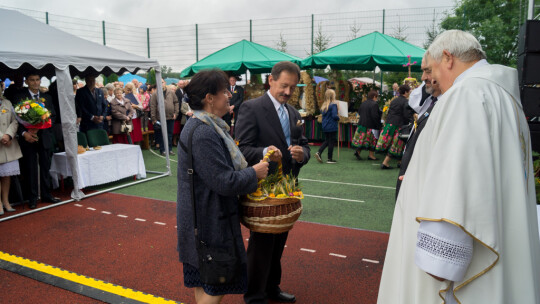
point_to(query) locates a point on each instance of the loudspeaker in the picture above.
(529, 37)
(529, 68)
(530, 99)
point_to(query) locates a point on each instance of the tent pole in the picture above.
(162, 117)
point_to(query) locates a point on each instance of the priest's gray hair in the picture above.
(462, 45)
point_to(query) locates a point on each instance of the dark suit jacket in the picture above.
(90, 106)
(409, 147)
(236, 99)
(258, 127)
(45, 135)
(370, 115)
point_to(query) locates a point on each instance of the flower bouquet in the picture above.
(32, 114)
(275, 206)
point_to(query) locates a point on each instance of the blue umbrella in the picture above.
(319, 79)
(129, 77)
(171, 80)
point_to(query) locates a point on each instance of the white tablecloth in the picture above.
(96, 167)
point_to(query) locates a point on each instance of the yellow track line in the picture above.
(80, 279)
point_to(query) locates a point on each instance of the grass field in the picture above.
(351, 193)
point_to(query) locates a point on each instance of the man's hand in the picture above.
(276, 157)
(97, 119)
(174, 117)
(30, 137)
(189, 113)
(297, 153)
(109, 117)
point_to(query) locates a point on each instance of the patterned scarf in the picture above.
(221, 127)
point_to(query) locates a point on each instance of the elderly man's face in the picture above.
(232, 81)
(283, 87)
(426, 76)
(441, 72)
(395, 86)
(90, 81)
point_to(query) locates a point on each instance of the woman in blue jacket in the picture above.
(330, 119)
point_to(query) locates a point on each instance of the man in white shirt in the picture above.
(464, 227)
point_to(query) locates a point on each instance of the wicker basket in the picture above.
(270, 214)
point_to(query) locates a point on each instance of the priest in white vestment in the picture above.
(464, 227)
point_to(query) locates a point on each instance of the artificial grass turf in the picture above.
(373, 186)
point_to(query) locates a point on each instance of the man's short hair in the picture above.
(285, 66)
(404, 88)
(109, 86)
(462, 45)
(372, 94)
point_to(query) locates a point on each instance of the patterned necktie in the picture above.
(284, 120)
(36, 97)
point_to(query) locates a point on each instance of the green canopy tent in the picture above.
(366, 53)
(239, 57)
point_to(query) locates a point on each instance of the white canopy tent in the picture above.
(30, 45)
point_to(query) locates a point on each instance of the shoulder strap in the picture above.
(190, 174)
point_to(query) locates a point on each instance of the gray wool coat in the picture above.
(217, 186)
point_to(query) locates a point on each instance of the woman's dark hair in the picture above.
(205, 82)
(403, 89)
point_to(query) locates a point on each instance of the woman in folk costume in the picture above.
(370, 120)
(10, 152)
(330, 124)
(399, 115)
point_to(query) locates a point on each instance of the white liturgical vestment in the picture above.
(472, 168)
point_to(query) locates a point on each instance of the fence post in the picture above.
(312, 33)
(47, 17)
(196, 42)
(250, 30)
(148, 40)
(103, 26)
(383, 17)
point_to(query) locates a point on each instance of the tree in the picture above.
(495, 23)
(399, 31)
(281, 45)
(432, 31)
(165, 70)
(321, 41)
(354, 30)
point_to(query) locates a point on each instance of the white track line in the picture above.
(308, 250)
(121, 215)
(338, 255)
(370, 261)
(340, 183)
(78, 205)
(140, 220)
(105, 212)
(90, 208)
(159, 223)
(335, 198)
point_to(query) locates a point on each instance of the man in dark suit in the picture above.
(36, 144)
(269, 123)
(433, 91)
(236, 100)
(92, 104)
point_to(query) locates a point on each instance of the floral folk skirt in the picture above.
(364, 139)
(192, 278)
(390, 142)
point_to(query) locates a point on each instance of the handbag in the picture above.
(126, 128)
(217, 265)
(405, 131)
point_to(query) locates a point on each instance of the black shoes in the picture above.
(357, 155)
(32, 204)
(50, 199)
(384, 167)
(283, 297)
(331, 161)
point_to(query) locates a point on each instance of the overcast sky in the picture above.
(160, 13)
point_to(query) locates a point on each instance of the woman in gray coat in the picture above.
(121, 112)
(220, 175)
(10, 152)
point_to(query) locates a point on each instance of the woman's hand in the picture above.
(261, 169)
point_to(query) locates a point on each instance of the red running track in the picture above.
(105, 237)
